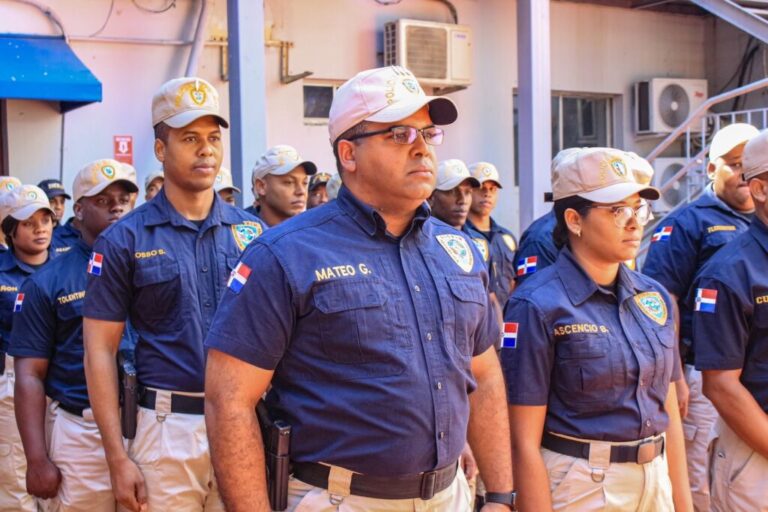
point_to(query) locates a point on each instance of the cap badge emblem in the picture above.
(486, 171)
(459, 251)
(411, 85)
(619, 167)
(108, 171)
(31, 195)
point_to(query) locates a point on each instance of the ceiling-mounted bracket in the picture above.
(285, 75)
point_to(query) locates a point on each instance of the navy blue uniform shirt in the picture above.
(730, 311)
(12, 273)
(684, 241)
(167, 275)
(481, 243)
(49, 325)
(371, 336)
(65, 236)
(537, 249)
(601, 361)
(502, 246)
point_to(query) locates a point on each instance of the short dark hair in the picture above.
(582, 207)
(358, 129)
(161, 131)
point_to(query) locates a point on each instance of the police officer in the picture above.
(318, 193)
(165, 266)
(7, 184)
(589, 352)
(681, 244)
(47, 345)
(153, 184)
(452, 198)
(729, 301)
(65, 234)
(57, 196)
(501, 241)
(28, 222)
(333, 186)
(374, 324)
(225, 187)
(280, 181)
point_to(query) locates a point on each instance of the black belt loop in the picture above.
(428, 480)
(181, 404)
(77, 411)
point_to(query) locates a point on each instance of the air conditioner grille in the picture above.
(390, 44)
(427, 55)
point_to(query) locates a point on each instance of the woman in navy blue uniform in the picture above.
(589, 352)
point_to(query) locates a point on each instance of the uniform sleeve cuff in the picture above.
(244, 353)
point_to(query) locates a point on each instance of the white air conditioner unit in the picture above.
(664, 170)
(438, 54)
(662, 104)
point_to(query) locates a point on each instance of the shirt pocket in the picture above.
(585, 375)
(466, 311)
(665, 348)
(353, 324)
(158, 291)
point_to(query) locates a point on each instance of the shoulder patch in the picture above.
(653, 306)
(458, 249)
(509, 338)
(706, 300)
(482, 246)
(662, 234)
(510, 241)
(244, 234)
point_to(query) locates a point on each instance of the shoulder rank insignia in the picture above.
(510, 241)
(482, 246)
(653, 306)
(244, 234)
(459, 251)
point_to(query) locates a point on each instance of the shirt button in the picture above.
(416, 288)
(429, 336)
(204, 269)
(642, 382)
(207, 304)
(647, 423)
(441, 435)
(439, 385)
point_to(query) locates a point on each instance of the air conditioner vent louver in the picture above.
(427, 52)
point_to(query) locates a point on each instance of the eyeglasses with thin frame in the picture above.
(433, 135)
(623, 214)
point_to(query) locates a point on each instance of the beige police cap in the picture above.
(754, 161)
(182, 101)
(98, 175)
(453, 172)
(8, 183)
(484, 171)
(224, 181)
(333, 186)
(22, 202)
(729, 137)
(601, 175)
(280, 160)
(384, 95)
(152, 176)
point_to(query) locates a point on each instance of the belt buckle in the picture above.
(428, 481)
(646, 452)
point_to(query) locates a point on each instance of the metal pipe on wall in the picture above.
(197, 45)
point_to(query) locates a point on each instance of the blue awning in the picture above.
(45, 68)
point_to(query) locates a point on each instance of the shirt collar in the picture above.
(161, 211)
(710, 199)
(369, 219)
(8, 261)
(579, 286)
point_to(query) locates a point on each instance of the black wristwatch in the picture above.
(504, 498)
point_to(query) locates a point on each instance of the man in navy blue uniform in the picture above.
(681, 244)
(164, 267)
(371, 322)
(65, 234)
(48, 347)
(501, 241)
(729, 301)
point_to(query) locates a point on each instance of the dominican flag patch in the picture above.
(527, 265)
(19, 301)
(662, 234)
(94, 264)
(706, 300)
(509, 340)
(238, 277)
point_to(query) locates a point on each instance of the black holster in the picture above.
(129, 396)
(276, 435)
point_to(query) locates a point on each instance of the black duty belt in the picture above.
(423, 485)
(641, 453)
(77, 411)
(183, 404)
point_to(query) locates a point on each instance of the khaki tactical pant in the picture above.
(697, 429)
(171, 450)
(306, 498)
(75, 448)
(739, 481)
(13, 463)
(578, 487)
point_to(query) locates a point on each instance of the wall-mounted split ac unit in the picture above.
(662, 104)
(664, 170)
(439, 54)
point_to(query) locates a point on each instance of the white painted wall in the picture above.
(594, 49)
